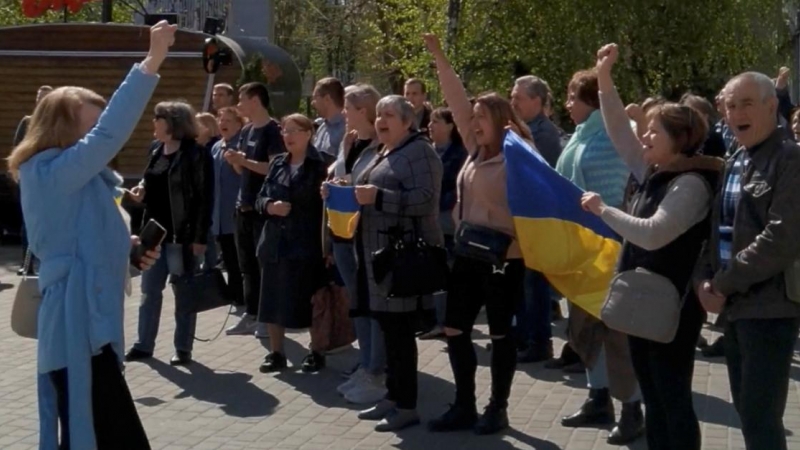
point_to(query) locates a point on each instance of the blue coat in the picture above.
(76, 230)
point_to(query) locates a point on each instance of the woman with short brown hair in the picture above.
(591, 162)
(663, 233)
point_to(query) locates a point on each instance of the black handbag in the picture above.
(478, 242)
(416, 267)
(200, 291)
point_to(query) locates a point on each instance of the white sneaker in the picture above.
(261, 331)
(354, 381)
(246, 325)
(371, 389)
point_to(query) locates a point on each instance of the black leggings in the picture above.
(116, 422)
(473, 285)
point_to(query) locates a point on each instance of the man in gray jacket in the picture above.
(755, 242)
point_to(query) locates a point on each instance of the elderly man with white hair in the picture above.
(748, 268)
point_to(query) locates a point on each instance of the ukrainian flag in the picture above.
(343, 210)
(573, 248)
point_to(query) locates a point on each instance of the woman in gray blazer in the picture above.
(400, 186)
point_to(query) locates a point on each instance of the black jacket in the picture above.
(298, 235)
(191, 191)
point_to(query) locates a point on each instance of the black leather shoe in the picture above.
(181, 358)
(456, 418)
(536, 352)
(493, 420)
(274, 362)
(630, 426)
(137, 355)
(598, 410)
(313, 362)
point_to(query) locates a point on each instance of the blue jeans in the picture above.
(535, 313)
(153, 283)
(372, 349)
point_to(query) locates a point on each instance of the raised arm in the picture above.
(618, 125)
(453, 90)
(76, 165)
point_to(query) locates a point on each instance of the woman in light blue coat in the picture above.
(70, 201)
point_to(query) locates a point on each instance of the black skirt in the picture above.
(286, 290)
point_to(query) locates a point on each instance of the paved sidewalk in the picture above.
(223, 402)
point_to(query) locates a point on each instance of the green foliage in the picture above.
(252, 72)
(668, 46)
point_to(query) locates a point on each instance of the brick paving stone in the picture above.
(223, 402)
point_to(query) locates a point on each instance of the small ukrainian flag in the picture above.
(574, 249)
(343, 210)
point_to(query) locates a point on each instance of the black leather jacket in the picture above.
(191, 191)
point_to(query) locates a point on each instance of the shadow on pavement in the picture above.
(232, 391)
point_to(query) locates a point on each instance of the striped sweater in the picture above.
(591, 162)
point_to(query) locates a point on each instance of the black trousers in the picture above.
(399, 331)
(665, 372)
(759, 356)
(230, 255)
(248, 231)
(116, 423)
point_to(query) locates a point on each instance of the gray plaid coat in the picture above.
(409, 180)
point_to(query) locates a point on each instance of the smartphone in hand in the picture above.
(150, 238)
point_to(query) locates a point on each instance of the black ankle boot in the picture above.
(457, 418)
(596, 411)
(493, 420)
(630, 426)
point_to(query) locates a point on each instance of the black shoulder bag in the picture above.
(476, 241)
(417, 268)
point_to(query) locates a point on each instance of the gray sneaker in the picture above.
(377, 412)
(246, 326)
(398, 419)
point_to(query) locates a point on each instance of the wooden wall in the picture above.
(21, 76)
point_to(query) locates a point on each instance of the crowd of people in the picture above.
(704, 195)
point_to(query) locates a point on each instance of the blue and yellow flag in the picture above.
(573, 248)
(343, 210)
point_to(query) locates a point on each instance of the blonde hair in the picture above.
(363, 96)
(55, 123)
(233, 111)
(209, 121)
